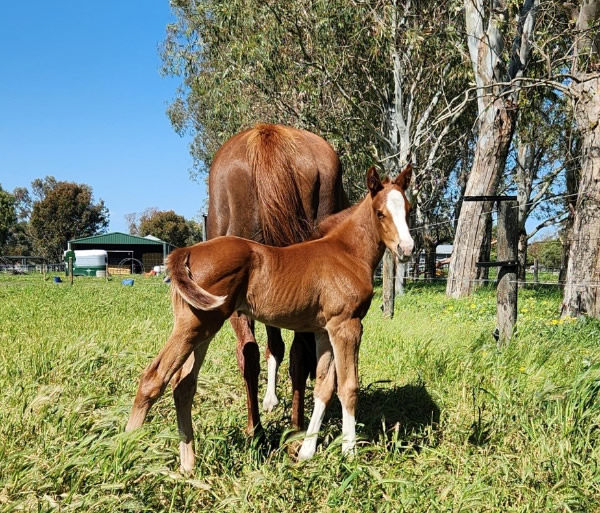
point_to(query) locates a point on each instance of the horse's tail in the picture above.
(272, 153)
(183, 283)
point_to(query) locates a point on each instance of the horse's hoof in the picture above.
(269, 403)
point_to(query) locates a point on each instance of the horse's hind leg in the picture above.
(274, 355)
(184, 384)
(188, 332)
(248, 358)
(302, 364)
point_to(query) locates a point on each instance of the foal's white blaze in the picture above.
(309, 446)
(270, 400)
(348, 432)
(396, 207)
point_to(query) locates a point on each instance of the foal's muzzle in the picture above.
(404, 250)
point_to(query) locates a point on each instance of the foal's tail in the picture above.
(184, 284)
(273, 154)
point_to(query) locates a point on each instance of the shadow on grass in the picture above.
(406, 415)
(408, 408)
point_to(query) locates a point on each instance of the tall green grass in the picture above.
(448, 422)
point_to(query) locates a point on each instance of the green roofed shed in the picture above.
(129, 252)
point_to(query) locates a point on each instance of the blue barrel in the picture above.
(128, 282)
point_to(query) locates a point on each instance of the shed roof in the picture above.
(119, 239)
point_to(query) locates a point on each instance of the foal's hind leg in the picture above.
(248, 358)
(187, 333)
(184, 384)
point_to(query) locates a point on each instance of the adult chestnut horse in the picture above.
(323, 286)
(273, 184)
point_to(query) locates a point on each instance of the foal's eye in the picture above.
(380, 214)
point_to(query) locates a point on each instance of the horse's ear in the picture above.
(373, 181)
(403, 179)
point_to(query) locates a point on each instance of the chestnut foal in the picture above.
(322, 286)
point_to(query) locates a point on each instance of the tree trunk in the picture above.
(522, 258)
(582, 284)
(429, 248)
(487, 25)
(494, 139)
(389, 269)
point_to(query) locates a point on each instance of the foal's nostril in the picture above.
(405, 248)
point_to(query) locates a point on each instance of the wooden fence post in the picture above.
(507, 289)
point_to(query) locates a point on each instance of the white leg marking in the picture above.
(309, 446)
(348, 432)
(188, 458)
(395, 205)
(270, 400)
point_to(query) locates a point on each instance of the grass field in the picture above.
(447, 421)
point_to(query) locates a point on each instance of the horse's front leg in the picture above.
(324, 388)
(184, 385)
(248, 359)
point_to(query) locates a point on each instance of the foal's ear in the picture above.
(373, 181)
(403, 179)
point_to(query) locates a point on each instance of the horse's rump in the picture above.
(272, 151)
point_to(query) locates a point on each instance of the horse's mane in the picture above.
(271, 151)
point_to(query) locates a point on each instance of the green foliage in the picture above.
(328, 68)
(8, 216)
(547, 252)
(63, 211)
(447, 421)
(166, 225)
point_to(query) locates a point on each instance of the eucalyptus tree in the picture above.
(8, 216)
(383, 81)
(539, 165)
(499, 36)
(582, 285)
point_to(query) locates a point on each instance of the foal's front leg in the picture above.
(345, 340)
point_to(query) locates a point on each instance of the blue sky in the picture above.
(82, 99)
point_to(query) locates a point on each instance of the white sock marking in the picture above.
(309, 446)
(270, 400)
(348, 432)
